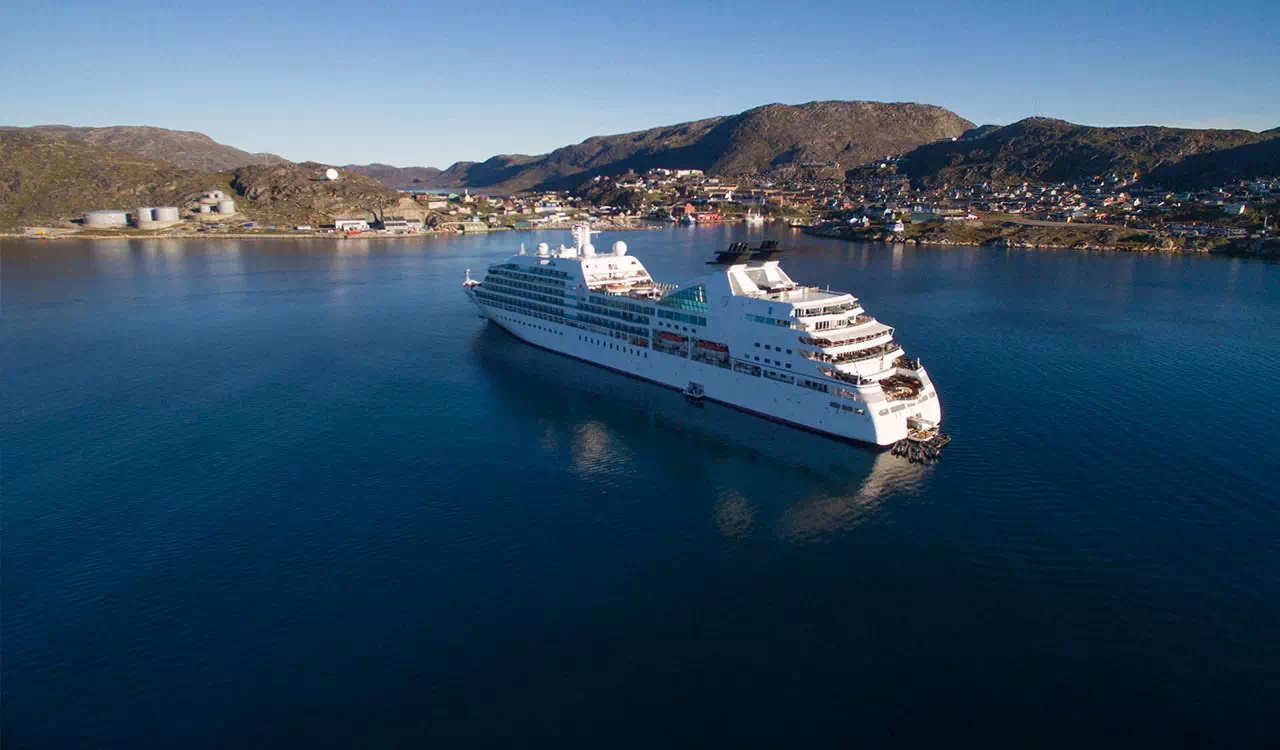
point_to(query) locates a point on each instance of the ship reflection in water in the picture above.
(758, 476)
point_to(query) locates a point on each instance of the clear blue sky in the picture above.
(430, 83)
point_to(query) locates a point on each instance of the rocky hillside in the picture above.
(299, 194)
(1258, 159)
(183, 148)
(1040, 149)
(756, 141)
(45, 179)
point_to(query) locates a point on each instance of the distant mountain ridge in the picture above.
(397, 177)
(53, 172)
(1047, 150)
(755, 141)
(183, 148)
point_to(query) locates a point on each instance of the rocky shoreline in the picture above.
(62, 233)
(1249, 246)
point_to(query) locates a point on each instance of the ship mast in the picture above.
(582, 235)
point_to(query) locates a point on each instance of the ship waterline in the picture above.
(745, 335)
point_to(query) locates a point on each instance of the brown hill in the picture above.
(298, 193)
(180, 147)
(45, 179)
(1041, 149)
(1258, 159)
(756, 141)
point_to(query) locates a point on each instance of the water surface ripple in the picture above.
(278, 493)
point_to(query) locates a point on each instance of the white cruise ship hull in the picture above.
(875, 423)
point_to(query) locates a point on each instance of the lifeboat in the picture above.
(669, 336)
(713, 346)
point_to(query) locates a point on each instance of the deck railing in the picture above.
(812, 312)
(831, 343)
(861, 355)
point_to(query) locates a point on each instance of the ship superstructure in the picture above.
(746, 335)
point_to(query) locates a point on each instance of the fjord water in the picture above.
(297, 493)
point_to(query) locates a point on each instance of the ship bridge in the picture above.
(768, 281)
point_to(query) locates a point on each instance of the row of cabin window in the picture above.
(504, 288)
(615, 347)
(525, 275)
(814, 385)
(696, 320)
(534, 325)
(523, 311)
(846, 407)
(802, 382)
(775, 362)
(538, 270)
(770, 321)
(620, 304)
(601, 310)
(615, 325)
(533, 291)
(498, 302)
(517, 304)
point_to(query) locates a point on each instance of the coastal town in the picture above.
(877, 207)
(871, 202)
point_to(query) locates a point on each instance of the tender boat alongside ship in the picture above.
(746, 336)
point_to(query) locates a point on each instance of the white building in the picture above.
(351, 225)
(401, 225)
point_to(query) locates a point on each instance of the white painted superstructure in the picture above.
(746, 335)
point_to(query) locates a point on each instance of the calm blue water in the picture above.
(297, 494)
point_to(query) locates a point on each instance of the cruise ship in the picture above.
(746, 336)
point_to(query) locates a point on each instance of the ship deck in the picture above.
(802, 294)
